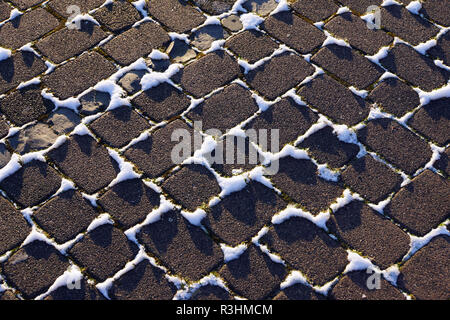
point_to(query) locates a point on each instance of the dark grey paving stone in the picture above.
(32, 184)
(5, 10)
(252, 45)
(5, 155)
(315, 11)
(94, 102)
(86, 162)
(76, 291)
(185, 249)
(298, 291)
(442, 50)
(65, 216)
(4, 128)
(62, 6)
(253, 275)
(103, 252)
(215, 7)
(360, 6)
(129, 202)
(443, 162)
(117, 16)
(34, 268)
(131, 81)
(211, 292)
(13, 227)
(421, 205)
(437, 11)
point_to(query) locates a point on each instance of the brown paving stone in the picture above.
(129, 202)
(117, 16)
(20, 67)
(242, 214)
(270, 78)
(25, 4)
(65, 216)
(395, 97)
(442, 50)
(32, 184)
(62, 6)
(192, 186)
(316, 11)
(215, 7)
(34, 268)
(423, 204)
(208, 73)
(443, 162)
(426, 274)
(154, 154)
(396, 144)
(78, 75)
(13, 227)
(5, 10)
(371, 179)
(161, 102)
(350, 109)
(25, 105)
(5, 155)
(410, 27)
(360, 6)
(437, 10)
(119, 126)
(325, 147)
(353, 29)
(4, 128)
(253, 275)
(299, 291)
(67, 43)
(211, 292)
(26, 28)
(425, 74)
(177, 15)
(353, 286)
(225, 109)
(294, 31)
(433, 121)
(8, 295)
(181, 246)
(252, 45)
(307, 248)
(299, 180)
(368, 232)
(103, 252)
(291, 119)
(80, 291)
(86, 162)
(348, 65)
(143, 282)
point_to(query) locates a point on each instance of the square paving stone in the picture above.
(13, 227)
(20, 67)
(162, 102)
(5, 155)
(67, 43)
(260, 7)
(348, 65)
(225, 109)
(25, 105)
(406, 25)
(26, 28)
(270, 78)
(86, 162)
(65, 216)
(371, 179)
(367, 231)
(208, 73)
(240, 216)
(299, 179)
(353, 29)
(5, 10)
(94, 102)
(211, 292)
(192, 186)
(307, 248)
(177, 15)
(437, 10)
(299, 291)
(143, 282)
(291, 119)
(117, 16)
(294, 31)
(354, 286)
(315, 11)
(84, 72)
(85, 291)
(423, 204)
(33, 138)
(443, 162)
(426, 274)
(63, 6)
(395, 97)
(154, 154)
(442, 49)
(340, 104)
(129, 202)
(34, 268)
(215, 7)
(131, 81)
(203, 37)
(253, 274)
(119, 126)
(396, 144)
(25, 4)
(325, 147)
(252, 45)
(32, 184)
(63, 120)
(103, 252)
(425, 74)
(360, 6)
(182, 247)
(4, 128)
(433, 121)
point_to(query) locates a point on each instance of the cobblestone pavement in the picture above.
(93, 207)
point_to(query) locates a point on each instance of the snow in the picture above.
(319, 220)
(4, 54)
(251, 21)
(153, 79)
(232, 253)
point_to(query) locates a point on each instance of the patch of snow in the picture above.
(232, 253)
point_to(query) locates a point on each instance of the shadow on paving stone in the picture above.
(5, 155)
(180, 52)
(205, 36)
(94, 102)
(131, 81)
